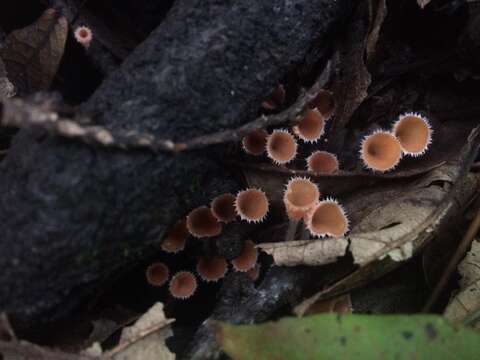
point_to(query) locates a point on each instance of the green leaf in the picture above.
(351, 337)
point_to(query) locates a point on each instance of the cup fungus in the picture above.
(84, 36)
(157, 274)
(202, 223)
(276, 99)
(300, 196)
(255, 142)
(212, 269)
(414, 133)
(176, 237)
(281, 146)
(322, 162)
(327, 219)
(324, 102)
(252, 205)
(247, 259)
(223, 207)
(311, 127)
(381, 151)
(183, 285)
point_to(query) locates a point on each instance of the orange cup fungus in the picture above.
(223, 207)
(322, 162)
(202, 223)
(281, 146)
(277, 98)
(176, 237)
(381, 151)
(212, 269)
(255, 142)
(157, 274)
(247, 259)
(311, 127)
(327, 219)
(324, 102)
(414, 133)
(183, 285)
(252, 205)
(83, 35)
(299, 197)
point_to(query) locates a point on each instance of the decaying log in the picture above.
(73, 214)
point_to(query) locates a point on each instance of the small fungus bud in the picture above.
(254, 272)
(176, 237)
(183, 285)
(157, 274)
(255, 142)
(202, 223)
(322, 162)
(325, 103)
(247, 259)
(212, 269)
(327, 219)
(300, 196)
(252, 205)
(414, 133)
(281, 146)
(84, 36)
(311, 127)
(277, 98)
(380, 151)
(223, 207)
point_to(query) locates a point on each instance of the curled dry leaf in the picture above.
(32, 54)
(146, 338)
(306, 252)
(467, 301)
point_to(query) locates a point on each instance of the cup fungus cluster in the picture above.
(410, 135)
(381, 151)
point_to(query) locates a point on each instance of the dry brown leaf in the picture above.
(306, 252)
(145, 339)
(32, 54)
(376, 20)
(423, 3)
(467, 300)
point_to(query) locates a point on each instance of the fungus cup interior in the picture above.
(302, 193)
(324, 102)
(381, 151)
(255, 142)
(157, 274)
(322, 162)
(183, 285)
(247, 259)
(311, 126)
(83, 33)
(176, 237)
(212, 269)
(202, 223)
(413, 133)
(328, 218)
(223, 207)
(252, 204)
(281, 146)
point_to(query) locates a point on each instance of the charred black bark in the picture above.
(72, 214)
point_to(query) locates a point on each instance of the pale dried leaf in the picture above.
(306, 252)
(146, 338)
(467, 300)
(32, 54)
(423, 3)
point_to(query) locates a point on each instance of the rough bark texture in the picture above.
(73, 214)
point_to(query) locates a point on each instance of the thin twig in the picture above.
(452, 265)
